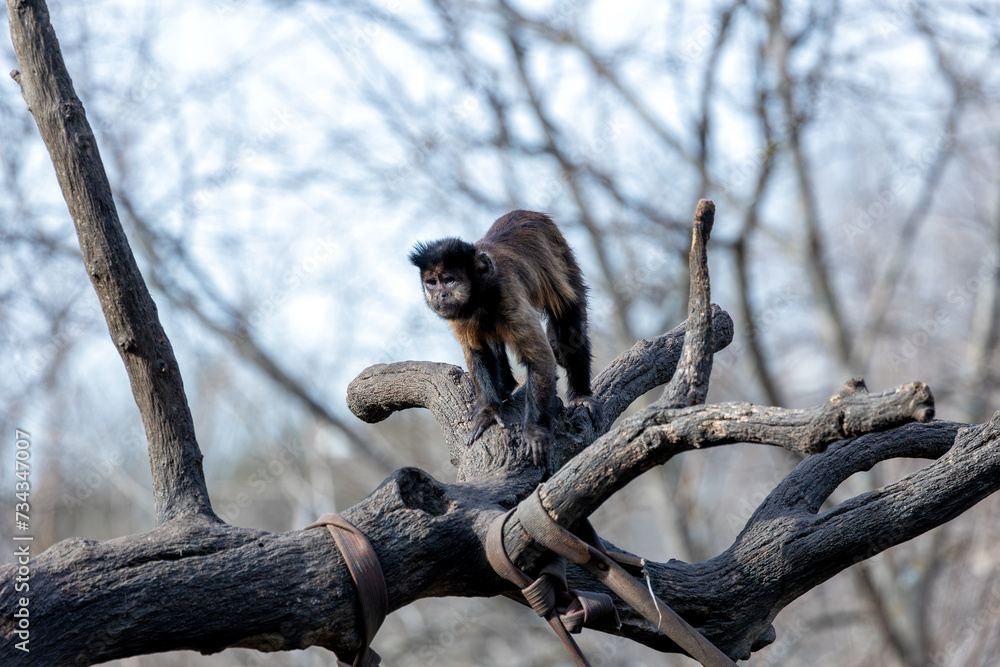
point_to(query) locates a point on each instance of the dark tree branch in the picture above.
(284, 591)
(196, 583)
(813, 480)
(650, 364)
(447, 392)
(207, 587)
(689, 385)
(788, 537)
(178, 480)
(656, 434)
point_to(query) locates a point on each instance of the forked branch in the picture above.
(656, 434)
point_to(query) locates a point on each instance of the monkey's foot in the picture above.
(594, 407)
(483, 417)
(540, 442)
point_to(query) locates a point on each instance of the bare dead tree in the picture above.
(197, 583)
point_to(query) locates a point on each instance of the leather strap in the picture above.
(566, 610)
(373, 597)
(540, 525)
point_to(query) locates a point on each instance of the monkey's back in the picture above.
(529, 245)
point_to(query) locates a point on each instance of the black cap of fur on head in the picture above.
(446, 252)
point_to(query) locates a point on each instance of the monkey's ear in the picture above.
(484, 264)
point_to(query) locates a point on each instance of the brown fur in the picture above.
(492, 293)
(531, 248)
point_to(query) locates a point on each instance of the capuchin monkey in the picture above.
(492, 293)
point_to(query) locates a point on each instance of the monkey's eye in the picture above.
(448, 280)
(431, 282)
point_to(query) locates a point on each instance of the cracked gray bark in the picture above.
(196, 583)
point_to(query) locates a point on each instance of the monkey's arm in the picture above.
(484, 367)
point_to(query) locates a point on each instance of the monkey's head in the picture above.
(452, 272)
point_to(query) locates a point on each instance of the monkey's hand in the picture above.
(483, 415)
(540, 441)
(594, 407)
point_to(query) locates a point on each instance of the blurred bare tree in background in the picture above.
(274, 161)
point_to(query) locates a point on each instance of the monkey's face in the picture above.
(447, 290)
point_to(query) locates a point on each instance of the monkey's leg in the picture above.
(487, 377)
(571, 345)
(534, 352)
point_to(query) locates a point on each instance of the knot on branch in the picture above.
(71, 110)
(418, 490)
(860, 413)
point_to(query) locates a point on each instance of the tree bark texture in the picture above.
(196, 583)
